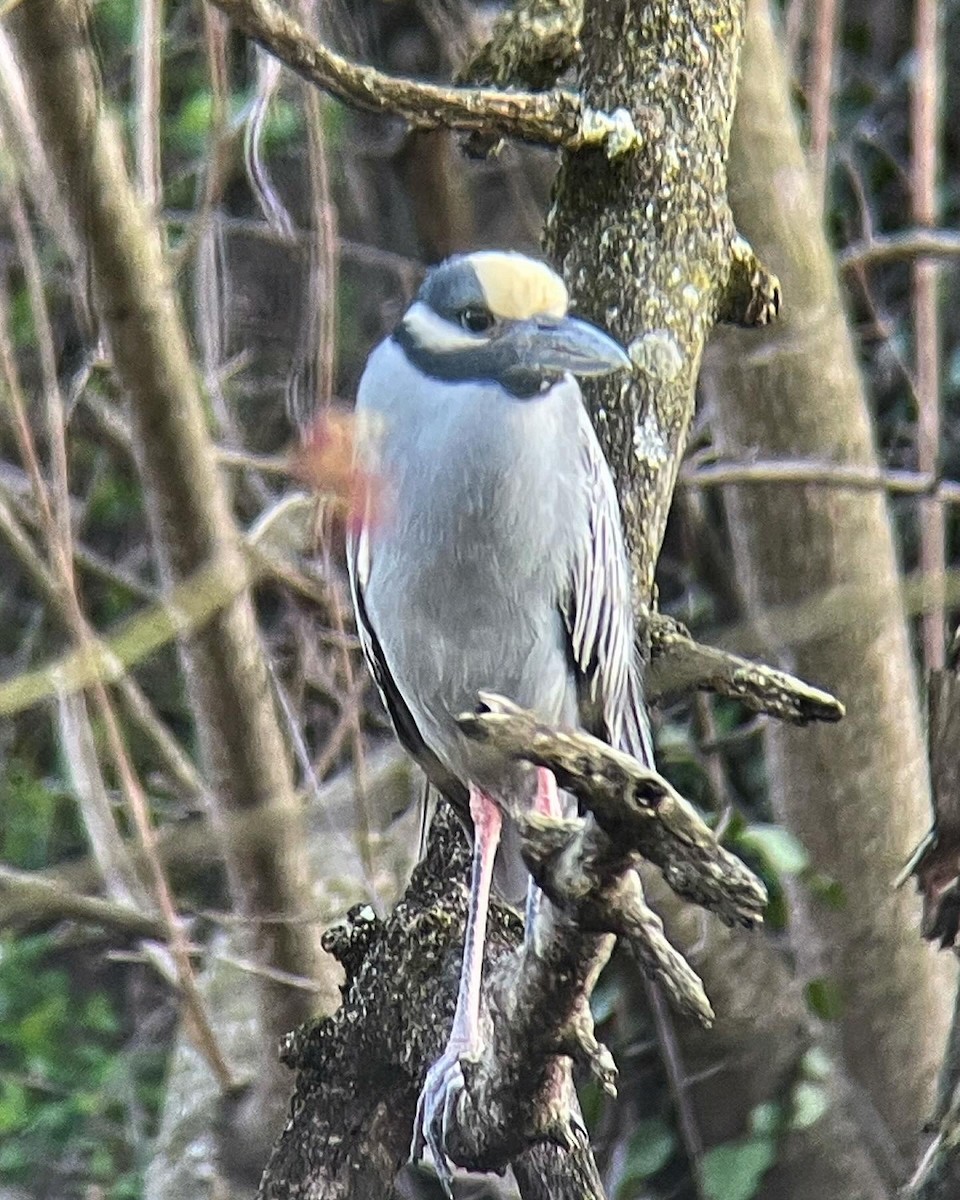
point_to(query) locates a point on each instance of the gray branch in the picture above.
(553, 118)
(678, 665)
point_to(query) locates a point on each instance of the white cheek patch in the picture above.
(363, 554)
(431, 332)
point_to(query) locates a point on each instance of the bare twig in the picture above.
(911, 244)
(29, 901)
(820, 89)
(839, 475)
(925, 133)
(147, 76)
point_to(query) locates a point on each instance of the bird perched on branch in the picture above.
(495, 561)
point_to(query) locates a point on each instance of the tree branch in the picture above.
(634, 806)
(856, 476)
(536, 1001)
(679, 665)
(555, 118)
(28, 900)
(908, 246)
(533, 42)
(751, 296)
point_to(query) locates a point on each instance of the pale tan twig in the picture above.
(839, 475)
(57, 536)
(322, 278)
(147, 104)
(905, 246)
(924, 122)
(819, 89)
(29, 900)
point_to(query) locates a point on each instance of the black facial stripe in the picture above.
(490, 363)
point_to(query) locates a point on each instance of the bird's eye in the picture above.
(476, 319)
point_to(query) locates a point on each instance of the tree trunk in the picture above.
(856, 794)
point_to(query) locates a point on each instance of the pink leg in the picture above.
(486, 835)
(548, 804)
(444, 1081)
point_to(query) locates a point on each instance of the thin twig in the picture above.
(906, 246)
(322, 279)
(839, 475)
(819, 90)
(924, 121)
(677, 1080)
(147, 104)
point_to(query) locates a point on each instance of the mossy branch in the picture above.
(551, 118)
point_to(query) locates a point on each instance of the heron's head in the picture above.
(502, 317)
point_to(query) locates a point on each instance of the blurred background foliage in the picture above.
(86, 1023)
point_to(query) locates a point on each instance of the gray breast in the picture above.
(470, 559)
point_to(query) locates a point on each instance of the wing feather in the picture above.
(599, 616)
(409, 736)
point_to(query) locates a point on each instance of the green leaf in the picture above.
(766, 1119)
(14, 1106)
(816, 1064)
(650, 1149)
(810, 1102)
(98, 1014)
(191, 126)
(733, 1171)
(828, 891)
(824, 998)
(778, 848)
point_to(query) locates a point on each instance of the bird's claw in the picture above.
(436, 1108)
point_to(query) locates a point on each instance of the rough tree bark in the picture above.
(643, 233)
(855, 794)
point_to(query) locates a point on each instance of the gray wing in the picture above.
(401, 718)
(599, 616)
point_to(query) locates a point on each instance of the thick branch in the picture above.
(678, 664)
(555, 118)
(635, 807)
(536, 1002)
(517, 1091)
(533, 42)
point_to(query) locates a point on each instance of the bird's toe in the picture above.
(436, 1112)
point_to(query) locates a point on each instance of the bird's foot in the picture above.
(436, 1108)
